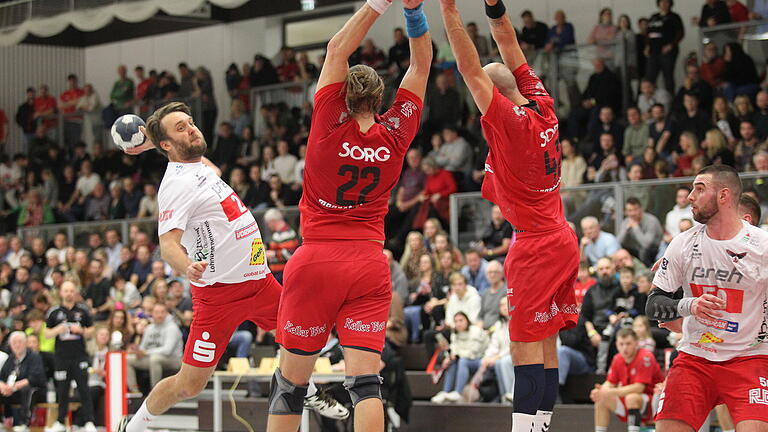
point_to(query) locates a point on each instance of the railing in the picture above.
(752, 35)
(78, 232)
(293, 94)
(470, 213)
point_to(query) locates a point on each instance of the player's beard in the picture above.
(192, 149)
(706, 212)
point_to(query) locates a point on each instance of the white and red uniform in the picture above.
(522, 176)
(348, 178)
(218, 228)
(643, 369)
(722, 360)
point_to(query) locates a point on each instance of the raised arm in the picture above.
(503, 33)
(415, 79)
(347, 40)
(467, 59)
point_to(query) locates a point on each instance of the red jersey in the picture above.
(3, 125)
(522, 171)
(739, 12)
(46, 103)
(141, 89)
(643, 369)
(349, 174)
(580, 289)
(71, 96)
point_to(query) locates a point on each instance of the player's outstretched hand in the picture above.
(706, 307)
(195, 271)
(148, 144)
(675, 326)
(412, 4)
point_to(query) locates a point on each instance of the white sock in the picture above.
(522, 422)
(140, 420)
(601, 428)
(631, 428)
(729, 430)
(541, 421)
(311, 389)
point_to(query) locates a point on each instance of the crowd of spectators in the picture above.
(450, 300)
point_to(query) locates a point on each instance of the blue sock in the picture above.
(529, 388)
(551, 386)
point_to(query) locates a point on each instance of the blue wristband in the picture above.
(415, 21)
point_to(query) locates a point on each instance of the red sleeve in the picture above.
(529, 83)
(613, 372)
(403, 118)
(447, 183)
(330, 108)
(645, 369)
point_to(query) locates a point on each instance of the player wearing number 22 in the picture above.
(522, 176)
(339, 275)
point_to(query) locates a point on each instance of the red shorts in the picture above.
(695, 386)
(622, 412)
(541, 270)
(341, 283)
(218, 310)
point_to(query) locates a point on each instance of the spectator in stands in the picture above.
(665, 31)
(740, 75)
(238, 117)
(16, 252)
(760, 117)
(584, 281)
(142, 266)
(603, 90)
(561, 39)
(71, 324)
(603, 35)
(489, 311)
(427, 298)
(627, 302)
(187, 84)
(747, 146)
(45, 108)
(96, 294)
(497, 236)
(280, 195)
(97, 204)
(475, 270)
(641, 192)
(96, 373)
(268, 162)
(308, 71)
(712, 66)
(651, 95)
(115, 209)
(160, 349)
(287, 70)
(595, 309)
(596, 243)
(143, 85)
(121, 96)
(454, 154)
(690, 151)
(399, 281)
(124, 292)
(497, 355)
(713, 13)
(659, 130)
(263, 72)
(576, 353)
(401, 214)
(445, 105)
(635, 136)
(21, 377)
(400, 50)
(227, 147)
(148, 203)
(204, 91)
(282, 243)
(533, 36)
(468, 344)
(606, 124)
(33, 211)
(370, 55)
(414, 249)
(599, 158)
(640, 233)
(156, 277)
(481, 42)
(628, 389)
(36, 326)
(743, 108)
(560, 35)
(68, 100)
(131, 198)
(693, 84)
(694, 119)
(681, 210)
(25, 116)
(238, 182)
(626, 48)
(725, 120)
(573, 169)
(716, 148)
(257, 196)
(462, 298)
(434, 198)
(285, 163)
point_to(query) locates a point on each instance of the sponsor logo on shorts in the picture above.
(542, 317)
(204, 351)
(359, 326)
(165, 215)
(758, 396)
(257, 252)
(246, 231)
(301, 332)
(729, 326)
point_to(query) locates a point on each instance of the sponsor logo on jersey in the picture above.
(367, 154)
(200, 180)
(733, 298)
(326, 204)
(205, 247)
(359, 326)
(255, 273)
(204, 351)
(548, 135)
(246, 231)
(718, 274)
(664, 263)
(709, 338)
(488, 168)
(729, 326)
(762, 335)
(748, 239)
(736, 256)
(408, 109)
(257, 252)
(165, 215)
(519, 111)
(221, 188)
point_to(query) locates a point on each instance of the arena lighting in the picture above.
(307, 5)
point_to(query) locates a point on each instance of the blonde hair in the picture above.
(715, 142)
(364, 90)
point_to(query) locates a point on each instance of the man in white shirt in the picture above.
(596, 243)
(681, 210)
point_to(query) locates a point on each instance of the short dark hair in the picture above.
(155, 129)
(139, 67)
(751, 206)
(685, 188)
(671, 3)
(526, 13)
(633, 201)
(183, 65)
(72, 76)
(726, 177)
(626, 332)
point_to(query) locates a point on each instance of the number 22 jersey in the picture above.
(217, 226)
(348, 175)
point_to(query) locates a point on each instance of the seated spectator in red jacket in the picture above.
(690, 146)
(712, 65)
(434, 198)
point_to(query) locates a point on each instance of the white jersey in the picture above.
(734, 270)
(217, 226)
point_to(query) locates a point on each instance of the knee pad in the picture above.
(285, 397)
(363, 387)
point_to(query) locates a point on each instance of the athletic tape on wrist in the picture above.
(496, 11)
(415, 21)
(379, 6)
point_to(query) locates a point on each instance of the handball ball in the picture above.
(125, 131)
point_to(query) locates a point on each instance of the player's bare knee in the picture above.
(362, 387)
(190, 386)
(634, 400)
